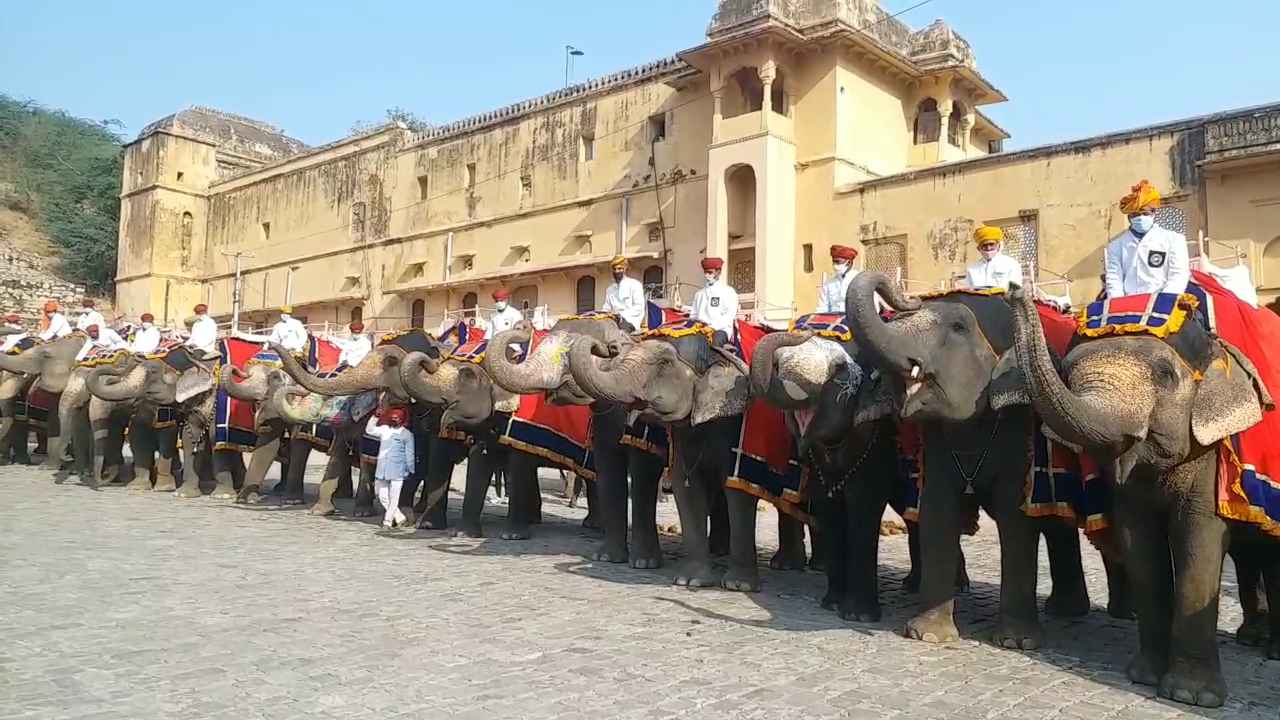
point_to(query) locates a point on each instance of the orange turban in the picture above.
(51, 306)
(1140, 196)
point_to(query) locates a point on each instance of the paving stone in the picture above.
(118, 605)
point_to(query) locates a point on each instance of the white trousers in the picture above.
(388, 492)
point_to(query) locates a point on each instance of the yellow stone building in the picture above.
(795, 126)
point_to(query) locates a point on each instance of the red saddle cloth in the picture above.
(560, 433)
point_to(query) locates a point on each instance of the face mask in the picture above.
(840, 268)
(1141, 223)
(617, 277)
(501, 305)
(146, 326)
(988, 254)
(284, 317)
(711, 279)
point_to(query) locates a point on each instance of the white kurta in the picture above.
(354, 349)
(58, 327)
(1157, 262)
(998, 272)
(504, 319)
(90, 317)
(626, 297)
(204, 335)
(11, 341)
(833, 292)
(717, 306)
(146, 340)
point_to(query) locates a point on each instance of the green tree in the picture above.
(395, 114)
(65, 173)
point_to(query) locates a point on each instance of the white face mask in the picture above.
(840, 268)
(284, 317)
(501, 305)
(146, 326)
(711, 279)
(988, 254)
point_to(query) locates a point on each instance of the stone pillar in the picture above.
(966, 131)
(768, 72)
(717, 113)
(944, 124)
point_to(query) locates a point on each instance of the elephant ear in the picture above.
(722, 392)
(1008, 386)
(1231, 398)
(192, 382)
(875, 402)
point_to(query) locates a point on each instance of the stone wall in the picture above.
(27, 282)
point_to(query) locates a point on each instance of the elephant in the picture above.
(50, 364)
(1154, 410)
(88, 453)
(546, 372)
(13, 433)
(701, 392)
(258, 384)
(951, 364)
(152, 430)
(850, 441)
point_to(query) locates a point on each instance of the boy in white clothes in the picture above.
(395, 462)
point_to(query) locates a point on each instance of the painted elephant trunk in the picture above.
(871, 333)
(251, 388)
(128, 386)
(764, 381)
(283, 405)
(1077, 419)
(362, 378)
(428, 380)
(525, 378)
(609, 386)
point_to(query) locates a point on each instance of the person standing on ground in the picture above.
(396, 455)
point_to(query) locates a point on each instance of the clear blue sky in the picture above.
(1071, 68)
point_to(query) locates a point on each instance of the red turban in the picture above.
(148, 317)
(92, 329)
(201, 309)
(87, 302)
(843, 252)
(13, 319)
(393, 413)
(500, 294)
(356, 327)
(712, 263)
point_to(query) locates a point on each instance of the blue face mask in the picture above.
(1141, 223)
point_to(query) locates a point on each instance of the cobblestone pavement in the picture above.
(137, 606)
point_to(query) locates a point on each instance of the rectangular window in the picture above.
(266, 231)
(588, 151)
(995, 146)
(526, 187)
(807, 249)
(424, 187)
(658, 127)
(357, 221)
(471, 176)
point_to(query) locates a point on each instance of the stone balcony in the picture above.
(1241, 138)
(747, 125)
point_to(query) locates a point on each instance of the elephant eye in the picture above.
(1164, 372)
(959, 327)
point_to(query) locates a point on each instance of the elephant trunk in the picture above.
(252, 387)
(282, 404)
(21, 363)
(892, 348)
(1079, 420)
(607, 385)
(764, 381)
(106, 382)
(428, 380)
(368, 375)
(542, 370)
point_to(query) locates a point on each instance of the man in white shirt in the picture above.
(506, 316)
(1146, 258)
(994, 269)
(354, 348)
(716, 305)
(101, 337)
(625, 296)
(288, 332)
(14, 323)
(89, 316)
(832, 293)
(147, 338)
(203, 338)
(57, 324)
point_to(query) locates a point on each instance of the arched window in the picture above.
(357, 314)
(525, 298)
(955, 135)
(469, 302)
(928, 123)
(586, 294)
(418, 315)
(653, 281)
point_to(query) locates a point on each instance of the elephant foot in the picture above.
(1069, 604)
(363, 510)
(323, 509)
(344, 492)
(249, 495)
(591, 522)
(1273, 650)
(817, 564)
(112, 476)
(188, 490)
(696, 575)
(223, 492)
(741, 580)
(293, 500)
(720, 548)
(1120, 609)
(864, 610)
(469, 530)
(611, 552)
(1254, 632)
(1018, 634)
(140, 484)
(830, 601)
(911, 583)
(51, 464)
(432, 521)
(788, 559)
(1204, 688)
(1144, 671)
(515, 532)
(165, 483)
(932, 627)
(646, 558)
(963, 584)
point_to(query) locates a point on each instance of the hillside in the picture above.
(59, 195)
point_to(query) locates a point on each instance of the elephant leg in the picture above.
(610, 503)
(15, 440)
(693, 505)
(363, 479)
(865, 497)
(1069, 597)
(818, 553)
(294, 472)
(113, 448)
(142, 442)
(1119, 604)
(42, 441)
(1019, 623)
(166, 441)
(791, 554)
(225, 465)
(939, 530)
(480, 471)
(261, 459)
(911, 583)
(835, 533)
(191, 461)
(337, 463)
(718, 508)
(441, 459)
(744, 565)
(1250, 585)
(646, 477)
(1198, 541)
(1271, 576)
(523, 493)
(591, 490)
(1147, 561)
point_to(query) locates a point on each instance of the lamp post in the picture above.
(570, 52)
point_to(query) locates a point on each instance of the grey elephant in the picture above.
(546, 371)
(14, 387)
(676, 376)
(152, 430)
(93, 459)
(277, 435)
(951, 363)
(1155, 410)
(50, 365)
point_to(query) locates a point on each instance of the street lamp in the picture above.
(570, 52)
